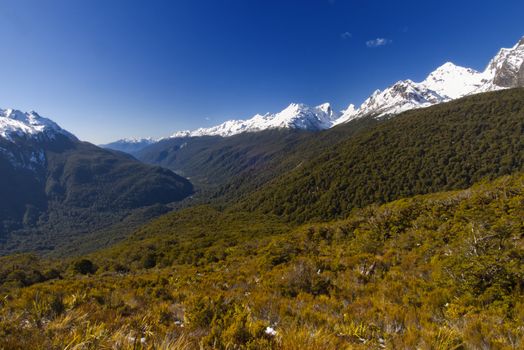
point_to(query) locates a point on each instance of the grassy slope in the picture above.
(437, 271)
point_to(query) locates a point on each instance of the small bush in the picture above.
(84, 267)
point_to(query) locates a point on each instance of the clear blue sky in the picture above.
(106, 69)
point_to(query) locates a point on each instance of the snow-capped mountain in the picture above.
(295, 116)
(18, 124)
(446, 83)
(402, 96)
(451, 81)
(49, 179)
(130, 145)
(23, 135)
(506, 69)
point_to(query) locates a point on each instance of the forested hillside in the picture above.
(74, 189)
(448, 146)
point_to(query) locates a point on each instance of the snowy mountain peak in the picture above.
(506, 69)
(292, 110)
(346, 115)
(138, 140)
(447, 66)
(452, 81)
(325, 107)
(130, 145)
(15, 123)
(446, 83)
(447, 70)
(401, 96)
(294, 116)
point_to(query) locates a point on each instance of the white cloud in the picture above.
(346, 35)
(378, 42)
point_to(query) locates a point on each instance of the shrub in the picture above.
(84, 267)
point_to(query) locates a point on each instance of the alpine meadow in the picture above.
(142, 216)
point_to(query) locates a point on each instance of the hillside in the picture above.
(437, 271)
(443, 147)
(55, 189)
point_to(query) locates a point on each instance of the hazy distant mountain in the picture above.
(295, 116)
(129, 145)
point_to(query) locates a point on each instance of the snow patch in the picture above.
(294, 116)
(271, 331)
(14, 123)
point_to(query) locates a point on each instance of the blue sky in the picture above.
(106, 69)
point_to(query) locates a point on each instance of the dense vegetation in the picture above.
(440, 271)
(448, 146)
(79, 188)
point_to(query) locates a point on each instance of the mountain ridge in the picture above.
(447, 82)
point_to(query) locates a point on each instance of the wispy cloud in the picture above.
(346, 35)
(378, 42)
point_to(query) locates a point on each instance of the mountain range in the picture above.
(56, 186)
(446, 83)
